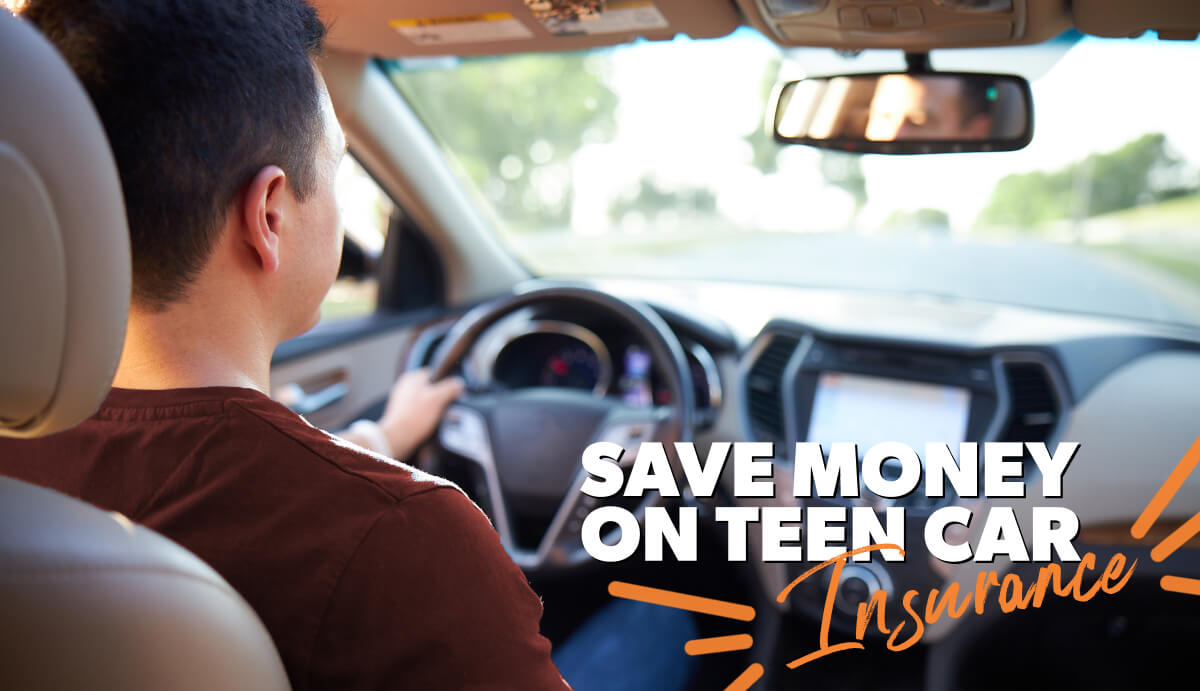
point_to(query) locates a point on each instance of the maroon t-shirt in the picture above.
(367, 572)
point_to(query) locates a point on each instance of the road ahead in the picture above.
(1019, 272)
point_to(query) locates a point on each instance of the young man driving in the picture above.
(366, 572)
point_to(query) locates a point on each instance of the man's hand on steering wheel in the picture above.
(414, 409)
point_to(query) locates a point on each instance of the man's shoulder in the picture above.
(331, 459)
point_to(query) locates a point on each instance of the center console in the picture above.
(803, 385)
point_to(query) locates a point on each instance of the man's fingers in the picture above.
(422, 375)
(448, 389)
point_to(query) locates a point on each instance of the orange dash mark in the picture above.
(1165, 493)
(746, 679)
(1176, 539)
(718, 644)
(1178, 584)
(691, 603)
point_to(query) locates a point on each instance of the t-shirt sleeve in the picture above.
(430, 600)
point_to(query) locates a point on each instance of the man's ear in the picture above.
(263, 214)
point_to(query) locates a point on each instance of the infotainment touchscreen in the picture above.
(870, 410)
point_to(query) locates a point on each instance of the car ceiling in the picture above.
(403, 28)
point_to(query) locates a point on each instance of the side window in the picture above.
(366, 212)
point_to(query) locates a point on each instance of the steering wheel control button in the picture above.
(857, 585)
(854, 591)
(464, 433)
(628, 437)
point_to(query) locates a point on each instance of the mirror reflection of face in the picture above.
(907, 108)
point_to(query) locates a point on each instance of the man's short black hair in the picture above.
(196, 97)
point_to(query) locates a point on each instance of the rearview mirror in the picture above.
(907, 113)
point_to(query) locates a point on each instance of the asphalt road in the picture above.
(1051, 276)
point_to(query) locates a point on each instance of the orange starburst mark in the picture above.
(701, 605)
(1167, 546)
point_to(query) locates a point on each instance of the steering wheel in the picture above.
(528, 442)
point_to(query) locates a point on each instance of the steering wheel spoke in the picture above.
(631, 426)
(464, 431)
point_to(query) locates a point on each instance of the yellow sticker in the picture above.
(467, 28)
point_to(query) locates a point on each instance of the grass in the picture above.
(1170, 255)
(1173, 212)
(1164, 259)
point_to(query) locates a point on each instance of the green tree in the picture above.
(1143, 171)
(513, 123)
(921, 219)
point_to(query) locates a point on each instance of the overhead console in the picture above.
(1171, 19)
(923, 25)
(912, 25)
(410, 28)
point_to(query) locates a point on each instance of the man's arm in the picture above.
(414, 407)
(431, 600)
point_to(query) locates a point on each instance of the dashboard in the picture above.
(793, 364)
(787, 365)
(823, 366)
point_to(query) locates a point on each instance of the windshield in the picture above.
(651, 160)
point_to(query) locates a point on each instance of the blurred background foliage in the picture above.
(1142, 172)
(493, 114)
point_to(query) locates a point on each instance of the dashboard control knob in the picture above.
(858, 583)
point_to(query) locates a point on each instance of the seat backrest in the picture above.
(87, 599)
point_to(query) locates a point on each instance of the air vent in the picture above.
(1034, 409)
(764, 388)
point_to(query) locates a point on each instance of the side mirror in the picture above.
(907, 113)
(356, 264)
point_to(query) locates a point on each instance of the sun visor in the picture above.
(400, 28)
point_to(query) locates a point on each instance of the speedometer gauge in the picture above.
(550, 353)
(576, 367)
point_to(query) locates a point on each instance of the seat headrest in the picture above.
(64, 242)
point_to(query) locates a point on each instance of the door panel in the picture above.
(334, 379)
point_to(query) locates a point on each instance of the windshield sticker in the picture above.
(473, 28)
(616, 18)
(564, 10)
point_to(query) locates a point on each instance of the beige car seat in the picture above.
(87, 599)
